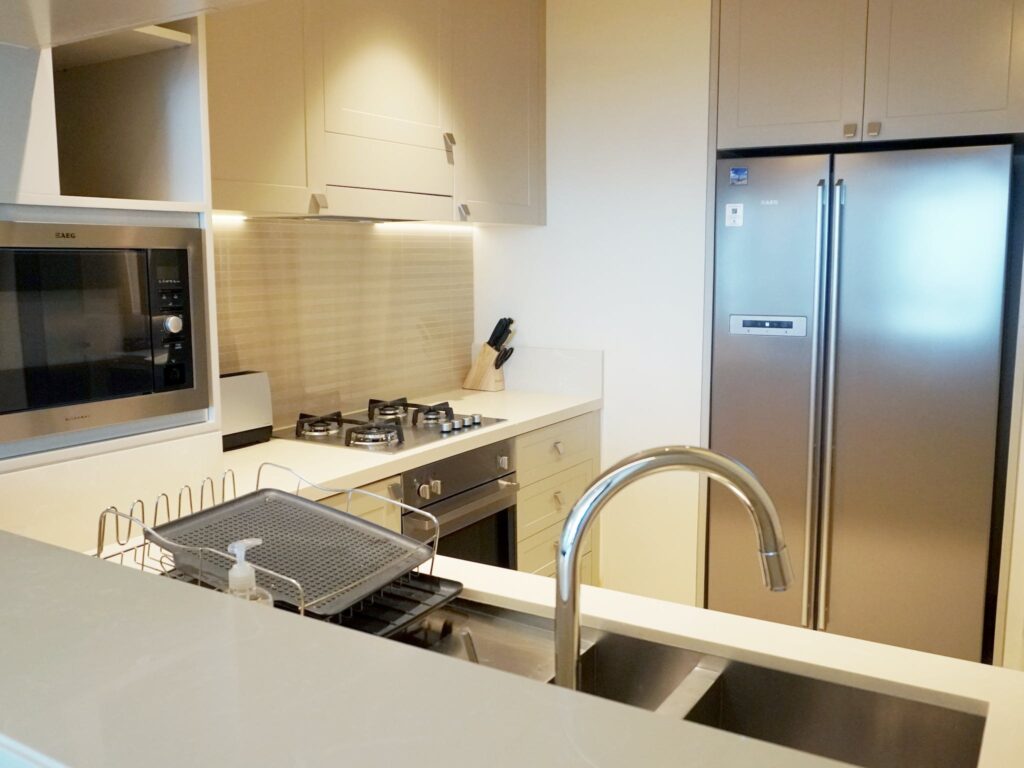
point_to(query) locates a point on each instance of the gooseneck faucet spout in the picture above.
(775, 567)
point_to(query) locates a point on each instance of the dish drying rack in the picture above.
(136, 542)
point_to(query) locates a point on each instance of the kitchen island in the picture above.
(103, 666)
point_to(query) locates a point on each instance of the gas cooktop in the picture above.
(388, 426)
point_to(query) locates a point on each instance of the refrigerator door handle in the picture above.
(838, 200)
(813, 445)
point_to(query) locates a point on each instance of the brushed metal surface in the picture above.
(917, 380)
(761, 386)
(840, 722)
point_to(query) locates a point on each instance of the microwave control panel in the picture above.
(170, 308)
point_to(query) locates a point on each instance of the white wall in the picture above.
(620, 264)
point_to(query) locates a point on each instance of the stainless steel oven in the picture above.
(473, 496)
(102, 333)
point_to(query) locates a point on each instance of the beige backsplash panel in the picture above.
(338, 312)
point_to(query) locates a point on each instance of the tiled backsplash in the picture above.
(338, 312)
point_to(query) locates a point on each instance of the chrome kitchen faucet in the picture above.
(775, 567)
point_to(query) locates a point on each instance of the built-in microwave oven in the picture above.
(102, 333)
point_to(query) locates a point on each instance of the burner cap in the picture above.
(320, 428)
(371, 435)
(389, 411)
(432, 417)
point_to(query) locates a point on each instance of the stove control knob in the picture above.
(173, 324)
(503, 462)
(477, 418)
(423, 491)
(436, 487)
(446, 427)
(457, 424)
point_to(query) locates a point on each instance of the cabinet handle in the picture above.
(558, 499)
(464, 210)
(874, 129)
(449, 139)
(559, 448)
(849, 130)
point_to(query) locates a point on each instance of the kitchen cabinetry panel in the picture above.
(790, 71)
(548, 501)
(943, 68)
(499, 111)
(376, 164)
(375, 510)
(543, 452)
(387, 70)
(386, 93)
(554, 465)
(258, 132)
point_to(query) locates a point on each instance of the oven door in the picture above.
(476, 525)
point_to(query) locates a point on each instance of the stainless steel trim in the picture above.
(458, 512)
(811, 527)
(85, 422)
(829, 405)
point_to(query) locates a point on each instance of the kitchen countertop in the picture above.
(997, 693)
(342, 467)
(104, 666)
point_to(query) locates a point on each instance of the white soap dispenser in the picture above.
(242, 576)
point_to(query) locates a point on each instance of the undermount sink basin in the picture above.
(841, 722)
(837, 721)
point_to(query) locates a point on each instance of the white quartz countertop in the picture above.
(994, 692)
(341, 467)
(105, 666)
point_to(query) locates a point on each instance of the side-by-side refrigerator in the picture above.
(858, 312)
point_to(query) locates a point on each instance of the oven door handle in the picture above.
(464, 509)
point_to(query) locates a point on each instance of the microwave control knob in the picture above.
(423, 491)
(477, 418)
(173, 324)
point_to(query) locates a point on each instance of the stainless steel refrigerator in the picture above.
(858, 312)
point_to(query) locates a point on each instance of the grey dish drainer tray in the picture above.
(337, 558)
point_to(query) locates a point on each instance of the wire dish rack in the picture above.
(320, 560)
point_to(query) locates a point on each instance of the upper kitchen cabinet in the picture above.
(817, 72)
(386, 106)
(790, 71)
(112, 121)
(498, 110)
(129, 115)
(256, 81)
(944, 68)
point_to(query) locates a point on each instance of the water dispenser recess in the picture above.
(767, 325)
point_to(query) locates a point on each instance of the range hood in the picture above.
(47, 23)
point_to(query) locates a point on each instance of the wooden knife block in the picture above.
(483, 376)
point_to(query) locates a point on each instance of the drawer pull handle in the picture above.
(559, 448)
(558, 499)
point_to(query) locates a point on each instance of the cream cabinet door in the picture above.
(498, 110)
(790, 72)
(256, 92)
(944, 68)
(386, 94)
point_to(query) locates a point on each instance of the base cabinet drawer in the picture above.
(549, 501)
(537, 554)
(548, 450)
(377, 511)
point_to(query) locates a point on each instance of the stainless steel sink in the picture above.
(837, 721)
(840, 722)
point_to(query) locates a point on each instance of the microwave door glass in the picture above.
(74, 327)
